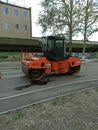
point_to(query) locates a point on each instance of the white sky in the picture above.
(35, 7)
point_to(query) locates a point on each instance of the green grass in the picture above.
(17, 115)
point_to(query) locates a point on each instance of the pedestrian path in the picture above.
(10, 64)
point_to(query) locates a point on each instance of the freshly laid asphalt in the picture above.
(11, 99)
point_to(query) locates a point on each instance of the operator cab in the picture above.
(53, 48)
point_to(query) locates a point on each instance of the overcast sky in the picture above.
(35, 7)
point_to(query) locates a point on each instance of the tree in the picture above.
(68, 18)
(60, 17)
(89, 19)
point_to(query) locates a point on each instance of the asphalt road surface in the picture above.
(12, 78)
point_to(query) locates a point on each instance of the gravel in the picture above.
(78, 111)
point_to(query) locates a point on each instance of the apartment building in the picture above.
(15, 21)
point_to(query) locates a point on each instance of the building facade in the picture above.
(15, 21)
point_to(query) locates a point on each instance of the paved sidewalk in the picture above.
(89, 60)
(10, 64)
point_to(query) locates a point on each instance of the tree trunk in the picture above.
(85, 30)
(70, 27)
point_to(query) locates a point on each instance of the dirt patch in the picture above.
(77, 111)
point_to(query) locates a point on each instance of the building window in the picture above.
(5, 10)
(16, 13)
(25, 14)
(6, 25)
(17, 26)
(25, 27)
